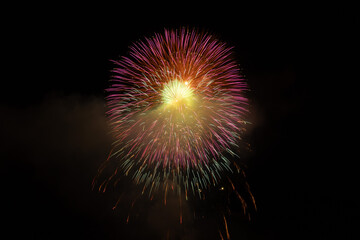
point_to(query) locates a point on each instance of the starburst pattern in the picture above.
(177, 109)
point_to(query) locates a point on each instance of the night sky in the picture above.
(54, 132)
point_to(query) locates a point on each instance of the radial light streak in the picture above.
(177, 108)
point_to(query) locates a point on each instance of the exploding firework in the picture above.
(177, 110)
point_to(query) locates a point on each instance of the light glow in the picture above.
(176, 92)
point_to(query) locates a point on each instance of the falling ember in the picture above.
(177, 110)
(226, 228)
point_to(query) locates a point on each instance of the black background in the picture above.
(54, 131)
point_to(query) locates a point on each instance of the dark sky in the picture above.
(54, 131)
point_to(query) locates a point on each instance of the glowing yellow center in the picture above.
(176, 91)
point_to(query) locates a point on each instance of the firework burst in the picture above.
(176, 106)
